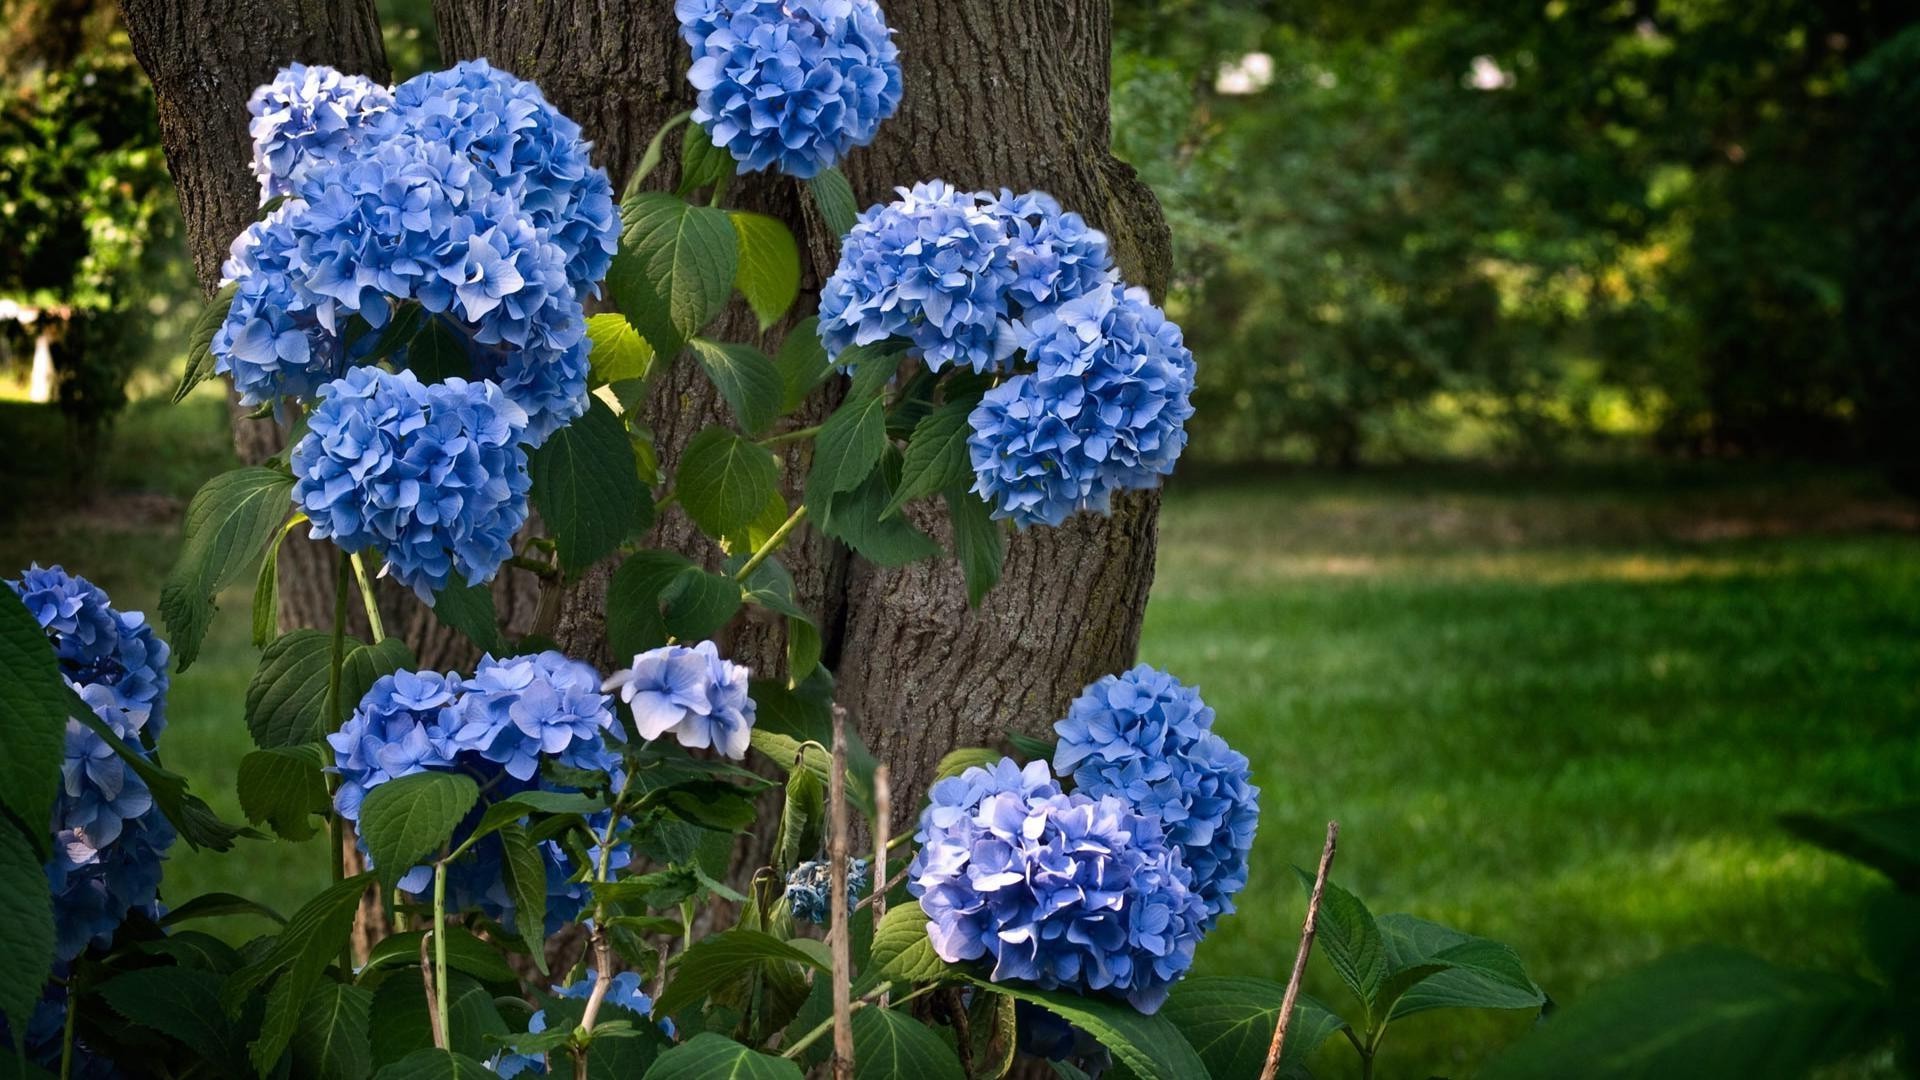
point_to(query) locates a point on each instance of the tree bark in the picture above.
(998, 93)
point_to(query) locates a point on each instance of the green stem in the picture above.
(66, 1034)
(336, 661)
(366, 598)
(796, 435)
(533, 566)
(792, 1053)
(773, 543)
(440, 944)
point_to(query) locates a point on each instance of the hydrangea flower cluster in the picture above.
(691, 692)
(1061, 890)
(790, 84)
(431, 476)
(461, 191)
(493, 726)
(109, 837)
(623, 993)
(975, 278)
(1148, 739)
(810, 889)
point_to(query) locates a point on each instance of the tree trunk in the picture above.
(998, 93)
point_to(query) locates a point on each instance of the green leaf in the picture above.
(675, 268)
(979, 544)
(958, 761)
(707, 1056)
(1887, 840)
(401, 1026)
(469, 609)
(266, 588)
(405, 821)
(200, 340)
(699, 603)
(362, 667)
(702, 164)
(524, 873)
(854, 519)
(1149, 1046)
(283, 787)
(228, 522)
(431, 1064)
(1030, 748)
(802, 363)
(725, 481)
(769, 275)
(436, 354)
(1229, 1022)
(286, 701)
(723, 960)
(1350, 940)
(901, 953)
(298, 955)
(183, 1005)
(33, 699)
(888, 1044)
(586, 486)
(1705, 1013)
(26, 926)
(650, 160)
(746, 378)
(218, 905)
(936, 456)
(848, 447)
(618, 351)
(633, 608)
(834, 196)
(1434, 967)
(465, 953)
(801, 818)
(331, 1040)
(196, 822)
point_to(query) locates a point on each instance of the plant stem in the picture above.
(837, 895)
(426, 980)
(66, 1034)
(1307, 930)
(336, 661)
(602, 953)
(440, 948)
(872, 998)
(773, 543)
(882, 821)
(366, 598)
(785, 437)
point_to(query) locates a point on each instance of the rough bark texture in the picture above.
(998, 93)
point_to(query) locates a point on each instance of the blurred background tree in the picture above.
(1424, 229)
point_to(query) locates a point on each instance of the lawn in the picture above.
(1561, 711)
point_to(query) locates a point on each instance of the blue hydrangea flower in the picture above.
(790, 84)
(623, 993)
(693, 693)
(810, 889)
(517, 710)
(400, 727)
(1057, 257)
(109, 838)
(431, 476)
(1147, 738)
(1105, 411)
(1058, 890)
(933, 266)
(307, 115)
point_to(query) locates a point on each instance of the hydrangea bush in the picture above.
(543, 841)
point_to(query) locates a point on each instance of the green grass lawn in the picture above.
(1559, 711)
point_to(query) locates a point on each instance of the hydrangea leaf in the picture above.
(725, 481)
(435, 353)
(936, 456)
(405, 820)
(708, 1056)
(853, 517)
(465, 953)
(217, 905)
(298, 956)
(979, 543)
(650, 159)
(901, 952)
(618, 351)
(34, 700)
(200, 340)
(746, 378)
(1350, 939)
(432, 1064)
(888, 1044)
(401, 1028)
(524, 873)
(800, 818)
(675, 268)
(587, 486)
(834, 196)
(702, 164)
(1149, 1046)
(332, 1040)
(1436, 967)
(848, 447)
(699, 603)
(958, 761)
(363, 666)
(802, 362)
(469, 609)
(286, 700)
(634, 620)
(266, 587)
(228, 522)
(283, 788)
(723, 960)
(1229, 1022)
(769, 275)
(26, 926)
(183, 1005)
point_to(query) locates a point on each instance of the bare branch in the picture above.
(837, 904)
(1300, 958)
